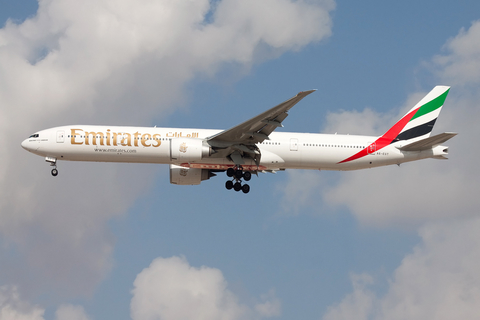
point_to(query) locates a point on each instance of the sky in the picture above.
(118, 241)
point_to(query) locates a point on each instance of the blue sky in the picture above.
(307, 244)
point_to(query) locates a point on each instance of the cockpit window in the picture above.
(36, 135)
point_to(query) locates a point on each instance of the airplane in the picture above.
(195, 155)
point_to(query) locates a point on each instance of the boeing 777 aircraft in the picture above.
(195, 155)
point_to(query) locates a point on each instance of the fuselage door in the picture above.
(60, 136)
(293, 144)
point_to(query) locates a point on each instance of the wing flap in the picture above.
(428, 143)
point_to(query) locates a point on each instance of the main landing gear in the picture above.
(236, 183)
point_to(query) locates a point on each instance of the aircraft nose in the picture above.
(25, 144)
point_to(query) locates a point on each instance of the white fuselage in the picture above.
(284, 150)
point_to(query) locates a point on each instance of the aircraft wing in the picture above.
(257, 128)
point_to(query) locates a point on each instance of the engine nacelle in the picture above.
(189, 150)
(188, 176)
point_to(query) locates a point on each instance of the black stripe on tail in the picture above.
(416, 131)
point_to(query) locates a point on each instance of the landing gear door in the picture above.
(60, 136)
(293, 144)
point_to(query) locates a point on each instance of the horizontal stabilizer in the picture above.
(428, 143)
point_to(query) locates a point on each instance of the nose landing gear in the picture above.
(53, 163)
(237, 173)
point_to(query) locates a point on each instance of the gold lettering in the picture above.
(120, 138)
(115, 138)
(135, 139)
(126, 141)
(158, 142)
(73, 133)
(145, 137)
(94, 136)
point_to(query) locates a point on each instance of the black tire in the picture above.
(238, 174)
(247, 175)
(229, 185)
(237, 186)
(54, 172)
(230, 172)
(246, 188)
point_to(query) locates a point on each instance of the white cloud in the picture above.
(13, 308)
(300, 191)
(171, 289)
(356, 305)
(282, 30)
(366, 122)
(270, 307)
(60, 226)
(70, 312)
(120, 62)
(438, 280)
(461, 65)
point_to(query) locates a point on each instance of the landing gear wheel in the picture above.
(237, 186)
(247, 175)
(54, 172)
(230, 172)
(238, 174)
(229, 185)
(245, 188)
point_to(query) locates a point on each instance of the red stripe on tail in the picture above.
(386, 139)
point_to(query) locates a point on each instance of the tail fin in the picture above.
(416, 125)
(419, 121)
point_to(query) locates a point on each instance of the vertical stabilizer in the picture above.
(421, 118)
(416, 125)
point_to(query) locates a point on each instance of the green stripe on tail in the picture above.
(431, 105)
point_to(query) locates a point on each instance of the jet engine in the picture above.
(188, 176)
(189, 150)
